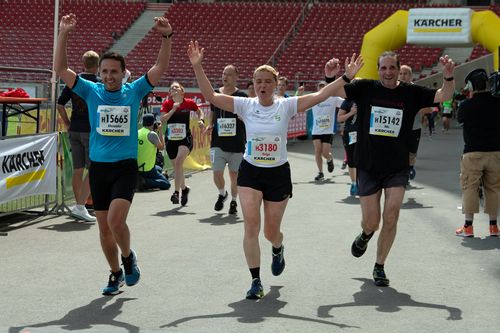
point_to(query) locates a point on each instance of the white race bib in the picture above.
(265, 149)
(353, 137)
(113, 120)
(226, 126)
(176, 131)
(385, 121)
(323, 121)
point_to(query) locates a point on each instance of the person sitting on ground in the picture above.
(150, 140)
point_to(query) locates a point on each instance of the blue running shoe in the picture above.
(256, 291)
(116, 281)
(278, 264)
(132, 271)
(379, 277)
(354, 189)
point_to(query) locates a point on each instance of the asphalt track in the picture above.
(194, 275)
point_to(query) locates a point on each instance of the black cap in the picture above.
(477, 78)
(148, 119)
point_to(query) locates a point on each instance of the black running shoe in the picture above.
(233, 207)
(359, 246)
(344, 165)
(330, 165)
(278, 264)
(220, 202)
(184, 197)
(380, 278)
(175, 197)
(319, 177)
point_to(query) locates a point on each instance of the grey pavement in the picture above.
(194, 275)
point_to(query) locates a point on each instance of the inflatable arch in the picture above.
(391, 35)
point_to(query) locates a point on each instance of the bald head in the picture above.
(405, 74)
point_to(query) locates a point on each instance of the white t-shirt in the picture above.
(324, 117)
(266, 129)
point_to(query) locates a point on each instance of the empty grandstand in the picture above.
(297, 37)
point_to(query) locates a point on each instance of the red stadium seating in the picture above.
(337, 30)
(229, 32)
(242, 33)
(28, 42)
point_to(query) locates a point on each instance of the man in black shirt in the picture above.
(480, 116)
(386, 110)
(228, 141)
(79, 131)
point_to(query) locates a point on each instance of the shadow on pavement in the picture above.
(222, 219)
(251, 312)
(85, 317)
(176, 211)
(386, 299)
(24, 219)
(350, 200)
(412, 203)
(70, 225)
(481, 244)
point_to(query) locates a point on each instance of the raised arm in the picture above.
(67, 24)
(336, 88)
(448, 88)
(163, 27)
(224, 102)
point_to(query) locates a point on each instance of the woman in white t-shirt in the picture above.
(264, 175)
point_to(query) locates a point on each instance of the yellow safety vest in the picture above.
(146, 152)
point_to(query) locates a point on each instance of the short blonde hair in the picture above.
(267, 68)
(90, 59)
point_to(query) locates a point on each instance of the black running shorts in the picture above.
(114, 180)
(172, 146)
(275, 183)
(324, 138)
(370, 183)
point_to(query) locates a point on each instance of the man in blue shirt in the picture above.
(113, 109)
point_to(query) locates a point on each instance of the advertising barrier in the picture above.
(28, 166)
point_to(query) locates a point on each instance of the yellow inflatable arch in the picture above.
(391, 35)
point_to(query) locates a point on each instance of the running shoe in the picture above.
(233, 207)
(412, 173)
(319, 177)
(175, 197)
(184, 198)
(220, 202)
(494, 231)
(354, 189)
(278, 264)
(465, 231)
(330, 165)
(132, 271)
(359, 246)
(82, 214)
(115, 282)
(256, 291)
(380, 278)
(344, 165)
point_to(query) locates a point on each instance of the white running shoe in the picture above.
(82, 214)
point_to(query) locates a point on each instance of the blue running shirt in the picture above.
(113, 118)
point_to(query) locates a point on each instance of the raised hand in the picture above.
(194, 52)
(68, 23)
(162, 26)
(448, 66)
(332, 67)
(353, 66)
